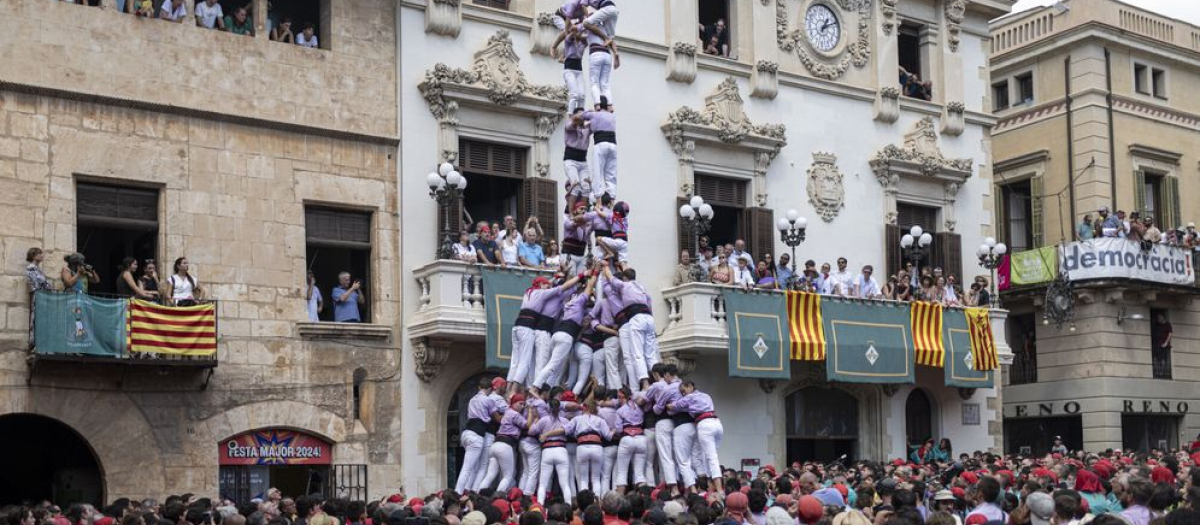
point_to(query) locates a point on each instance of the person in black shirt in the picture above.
(718, 32)
(486, 248)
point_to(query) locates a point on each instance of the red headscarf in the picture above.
(1086, 481)
(537, 285)
(1162, 475)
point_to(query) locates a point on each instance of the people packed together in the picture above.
(934, 487)
(209, 14)
(1136, 227)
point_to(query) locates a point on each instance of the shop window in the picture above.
(494, 4)
(1141, 79)
(1016, 227)
(1000, 95)
(1161, 337)
(1025, 88)
(1146, 432)
(1038, 433)
(114, 222)
(292, 461)
(294, 16)
(336, 241)
(715, 26)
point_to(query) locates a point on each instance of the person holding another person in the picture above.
(347, 297)
(715, 38)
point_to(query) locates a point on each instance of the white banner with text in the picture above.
(1116, 258)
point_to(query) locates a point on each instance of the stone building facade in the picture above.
(238, 142)
(1094, 110)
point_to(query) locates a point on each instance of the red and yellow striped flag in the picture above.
(804, 322)
(182, 330)
(927, 334)
(983, 341)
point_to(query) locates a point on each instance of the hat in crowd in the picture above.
(515, 493)
(474, 518)
(414, 502)
(1191, 225)
(769, 468)
(1104, 209)
(1162, 475)
(504, 508)
(843, 489)
(516, 398)
(975, 519)
(395, 498)
(735, 504)
(810, 510)
(672, 509)
(943, 495)
(1043, 472)
(830, 497)
(498, 383)
(484, 229)
(959, 493)
(970, 477)
(784, 499)
(778, 516)
(567, 396)
(851, 517)
(1041, 508)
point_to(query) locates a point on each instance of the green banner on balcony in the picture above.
(1034, 266)
(73, 323)
(959, 370)
(867, 342)
(759, 338)
(502, 294)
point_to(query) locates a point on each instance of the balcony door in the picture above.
(115, 222)
(822, 425)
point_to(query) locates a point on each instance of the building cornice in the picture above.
(1105, 33)
(1027, 159)
(1153, 153)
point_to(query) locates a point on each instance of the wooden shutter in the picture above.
(1139, 191)
(495, 4)
(1170, 203)
(686, 242)
(454, 213)
(1036, 224)
(483, 158)
(947, 249)
(341, 228)
(999, 217)
(539, 198)
(116, 206)
(722, 191)
(760, 229)
(891, 240)
(909, 215)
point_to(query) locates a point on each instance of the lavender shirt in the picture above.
(575, 308)
(546, 424)
(601, 314)
(629, 415)
(668, 393)
(695, 403)
(626, 293)
(536, 299)
(601, 120)
(609, 415)
(539, 407)
(577, 136)
(574, 8)
(481, 407)
(588, 423)
(512, 424)
(574, 47)
(577, 232)
(500, 404)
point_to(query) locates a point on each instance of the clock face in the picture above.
(822, 26)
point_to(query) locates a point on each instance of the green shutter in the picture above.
(1139, 191)
(1036, 194)
(999, 226)
(1170, 203)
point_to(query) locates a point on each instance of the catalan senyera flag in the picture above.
(804, 323)
(927, 334)
(172, 330)
(983, 341)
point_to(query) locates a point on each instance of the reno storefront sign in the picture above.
(275, 447)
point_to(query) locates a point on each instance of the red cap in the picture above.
(515, 492)
(516, 398)
(810, 509)
(498, 383)
(415, 502)
(897, 462)
(567, 396)
(959, 492)
(485, 229)
(1162, 475)
(503, 507)
(976, 519)
(842, 488)
(395, 498)
(969, 477)
(580, 204)
(770, 468)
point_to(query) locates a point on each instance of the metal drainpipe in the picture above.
(1112, 133)
(1070, 149)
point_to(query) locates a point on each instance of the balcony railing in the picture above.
(696, 321)
(450, 302)
(78, 327)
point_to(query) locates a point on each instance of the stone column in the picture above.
(1093, 187)
(887, 60)
(261, 14)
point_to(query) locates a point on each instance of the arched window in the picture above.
(918, 417)
(822, 424)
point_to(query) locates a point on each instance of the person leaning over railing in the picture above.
(37, 281)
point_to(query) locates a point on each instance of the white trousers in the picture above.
(651, 455)
(683, 439)
(575, 90)
(560, 348)
(639, 346)
(606, 18)
(598, 368)
(576, 264)
(606, 169)
(612, 363)
(618, 246)
(583, 356)
(541, 352)
(486, 461)
(579, 177)
(503, 464)
(531, 461)
(466, 475)
(589, 468)
(610, 461)
(555, 461)
(600, 66)
(632, 448)
(708, 435)
(664, 442)
(521, 365)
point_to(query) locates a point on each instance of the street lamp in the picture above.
(792, 231)
(697, 218)
(446, 186)
(991, 254)
(914, 244)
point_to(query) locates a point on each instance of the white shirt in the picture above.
(503, 233)
(843, 279)
(209, 15)
(181, 288)
(948, 293)
(465, 253)
(733, 257)
(174, 14)
(866, 287)
(313, 315)
(509, 252)
(303, 42)
(827, 282)
(744, 277)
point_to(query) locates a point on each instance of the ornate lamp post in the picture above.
(914, 245)
(697, 218)
(991, 254)
(446, 186)
(792, 231)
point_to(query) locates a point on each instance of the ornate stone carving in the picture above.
(724, 111)
(428, 357)
(956, 11)
(888, 21)
(966, 393)
(543, 34)
(496, 68)
(921, 148)
(685, 364)
(443, 17)
(887, 105)
(681, 65)
(765, 80)
(857, 52)
(826, 193)
(954, 119)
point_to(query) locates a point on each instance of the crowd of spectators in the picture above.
(1135, 227)
(1158, 487)
(505, 245)
(209, 14)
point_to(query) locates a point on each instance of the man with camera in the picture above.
(346, 298)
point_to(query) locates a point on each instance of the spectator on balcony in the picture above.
(312, 296)
(1150, 231)
(683, 270)
(1086, 230)
(347, 297)
(903, 289)
(182, 288)
(283, 32)
(140, 8)
(928, 291)
(127, 285)
(210, 15)
(720, 272)
(743, 276)
(241, 23)
(1109, 226)
(37, 281)
(865, 285)
(486, 247)
(717, 257)
(173, 10)
(77, 275)
(843, 280)
(1134, 229)
(510, 228)
(944, 292)
(530, 253)
(149, 277)
(763, 278)
(463, 250)
(554, 259)
(712, 47)
(826, 284)
(307, 37)
(739, 252)
(952, 294)
(716, 37)
(888, 291)
(783, 272)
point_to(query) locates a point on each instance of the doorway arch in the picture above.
(918, 417)
(47, 460)
(822, 424)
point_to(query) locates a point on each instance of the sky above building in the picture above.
(1186, 10)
